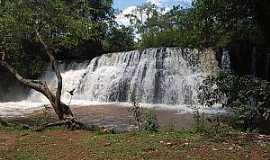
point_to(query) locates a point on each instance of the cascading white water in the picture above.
(167, 76)
(155, 76)
(71, 74)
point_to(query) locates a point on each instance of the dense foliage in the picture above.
(207, 23)
(247, 98)
(85, 29)
(120, 38)
(67, 26)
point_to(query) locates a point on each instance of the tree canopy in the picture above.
(208, 23)
(73, 27)
(62, 24)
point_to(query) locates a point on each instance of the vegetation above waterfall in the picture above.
(206, 24)
(85, 29)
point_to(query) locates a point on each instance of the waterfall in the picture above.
(226, 61)
(169, 76)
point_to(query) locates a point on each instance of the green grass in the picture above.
(267, 148)
(138, 145)
(58, 143)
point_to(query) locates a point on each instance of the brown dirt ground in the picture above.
(71, 145)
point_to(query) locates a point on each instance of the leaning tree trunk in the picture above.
(61, 109)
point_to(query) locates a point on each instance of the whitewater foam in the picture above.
(167, 78)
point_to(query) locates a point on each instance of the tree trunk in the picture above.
(62, 110)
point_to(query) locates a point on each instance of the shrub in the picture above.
(246, 97)
(150, 121)
(145, 119)
(200, 121)
(137, 113)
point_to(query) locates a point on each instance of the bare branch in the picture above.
(41, 41)
(35, 84)
(55, 68)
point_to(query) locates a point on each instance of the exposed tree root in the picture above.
(7, 124)
(71, 124)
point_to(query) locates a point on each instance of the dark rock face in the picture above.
(248, 59)
(10, 88)
(85, 51)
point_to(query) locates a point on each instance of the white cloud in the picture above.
(122, 19)
(167, 4)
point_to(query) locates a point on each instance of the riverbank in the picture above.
(175, 140)
(111, 116)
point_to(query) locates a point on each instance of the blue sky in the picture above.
(123, 4)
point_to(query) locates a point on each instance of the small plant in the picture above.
(150, 121)
(200, 121)
(44, 119)
(137, 112)
(145, 119)
(218, 127)
(171, 126)
(212, 126)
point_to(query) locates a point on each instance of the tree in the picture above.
(51, 23)
(173, 28)
(208, 23)
(221, 22)
(120, 38)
